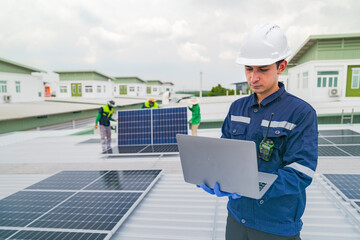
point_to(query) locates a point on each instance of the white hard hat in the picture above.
(111, 103)
(264, 44)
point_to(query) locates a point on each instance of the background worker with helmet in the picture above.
(151, 103)
(291, 144)
(104, 117)
(196, 118)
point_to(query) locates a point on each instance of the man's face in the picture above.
(151, 103)
(263, 80)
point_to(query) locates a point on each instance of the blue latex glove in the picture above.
(218, 192)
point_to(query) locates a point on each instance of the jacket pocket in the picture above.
(238, 130)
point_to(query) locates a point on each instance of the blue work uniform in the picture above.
(294, 132)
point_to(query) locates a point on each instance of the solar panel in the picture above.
(134, 127)
(151, 126)
(323, 141)
(68, 180)
(331, 151)
(4, 234)
(38, 235)
(90, 210)
(338, 132)
(21, 208)
(357, 203)
(348, 184)
(344, 140)
(137, 180)
(352, 150)
(161, 148)
(167, 122)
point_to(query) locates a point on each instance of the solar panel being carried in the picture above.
(149, 131)
(75, 205)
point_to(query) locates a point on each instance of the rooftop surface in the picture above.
(172, 209)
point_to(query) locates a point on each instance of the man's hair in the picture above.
(278, 63)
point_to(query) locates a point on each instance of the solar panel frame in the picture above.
(42, 228)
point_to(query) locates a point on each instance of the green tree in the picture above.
(217, 91)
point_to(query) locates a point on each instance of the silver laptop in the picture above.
(231, 163)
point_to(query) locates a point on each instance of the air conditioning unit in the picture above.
(7, 98)
(334, 92)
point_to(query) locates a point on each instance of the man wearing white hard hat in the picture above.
(104, 116)
(289, 150)
(196, 117)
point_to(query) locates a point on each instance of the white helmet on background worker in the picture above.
(111, 103)
(264, 44)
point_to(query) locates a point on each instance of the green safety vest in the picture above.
(147, 105)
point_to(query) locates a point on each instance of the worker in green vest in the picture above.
(151, 103)
(104, 117)
(196, 118)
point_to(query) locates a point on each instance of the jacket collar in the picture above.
(269, 98)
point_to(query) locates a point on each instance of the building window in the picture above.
(39, 94)
(88, 89)
(104, 88)
(138, 89)
(355, 78)
(131, 89)
(17, 87)
(3, 87)
(74, 89)
(63, 89)
(114, 89)
(123, 89)
(305, 79)
(99, 89)
(327, 79)
(154, 89)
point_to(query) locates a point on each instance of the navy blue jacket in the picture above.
(294, 159)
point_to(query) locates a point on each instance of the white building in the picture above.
(326, 67)
(86, 84)
(19, 84)
(168, 87)
(130, 86)
(154, 87)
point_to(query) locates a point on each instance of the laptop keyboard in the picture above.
(261, 185)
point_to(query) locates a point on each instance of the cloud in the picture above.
(192, 52)
(153, 26)
(90, 51)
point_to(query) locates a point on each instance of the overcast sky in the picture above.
(166, 40)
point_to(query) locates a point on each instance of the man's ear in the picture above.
(282, 67)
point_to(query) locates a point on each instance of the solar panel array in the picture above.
(149, 131)
(74, 205)
(347, 186)
(340, 142)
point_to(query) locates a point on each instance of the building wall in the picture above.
(309, 89)
(96, 86)
(132, 89)
(31, 87)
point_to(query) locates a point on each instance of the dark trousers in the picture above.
(237, 231)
